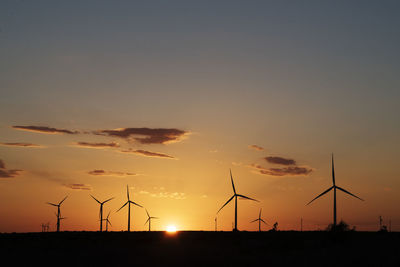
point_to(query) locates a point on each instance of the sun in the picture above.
(171, 229)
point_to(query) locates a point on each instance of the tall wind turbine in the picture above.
(259, 221)
(129, 202)
(334, 187)
(58, 214)
(101, 210)
(235, 195)
(149, 220)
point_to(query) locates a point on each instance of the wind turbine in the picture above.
(107, 221)
(149, 220)
(334, 187)
(58, 214)
(259, 221)
(129, 202)
(101, 211)
(235, 195)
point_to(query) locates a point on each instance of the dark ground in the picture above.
(281, 248)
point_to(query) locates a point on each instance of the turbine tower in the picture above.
(149, 220)
(259, 221)
(334, 187)
(235, 195)
(101, 210)
(58, 214)
(129, 202)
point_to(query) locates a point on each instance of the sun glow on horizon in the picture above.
(171, 229)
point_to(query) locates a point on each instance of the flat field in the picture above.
(198, 248)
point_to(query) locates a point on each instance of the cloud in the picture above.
(4, 173)
(148, 153)
(21, 145)
(255, 147)
(174, 195)
(146, 135)
(79, 186)
(110, 173)
(44, 129)
(280, 160)
(97, 145)
(285, 171)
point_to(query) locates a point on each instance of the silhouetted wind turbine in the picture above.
(107, 221)
(259, 221)
(58, 214)
(235, 195)
(334, 187)
(149, 220)
(101, 210)
(129, 202)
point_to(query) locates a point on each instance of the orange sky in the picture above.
(167, 97)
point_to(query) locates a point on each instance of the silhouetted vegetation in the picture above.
(342, 226)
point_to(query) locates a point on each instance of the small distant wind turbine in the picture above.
(259, 221)
(58, 214)
(334, 187)
(101, 210)
(235, 195)
(216, 221)
(107, 221)
(129, 202)
(149, 220)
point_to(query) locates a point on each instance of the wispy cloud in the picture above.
(44, 129)
(97, 145)
(21, 145)
(146, 153)
(146, 135)
(110, 173)
(280, 160)
(164, 194)
(79, 187)
(4, 173)
(256, 147)
(285, 171)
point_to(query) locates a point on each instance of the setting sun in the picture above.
(171, 229)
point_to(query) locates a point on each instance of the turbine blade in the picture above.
(259, 215)
(154, 217)
(254, 220)
(108, 214)
(135, 204)
(333, 172)
(63, 200)
(127, 191)
(147, 221)
(109, 222)
(147, 213)
(233, 185)
(123, 206)
(347, 192)
(55, 205)
(249, 198)
(264, 221)
(95, 199)
(226, 203)
(326, 191)
(108, 200)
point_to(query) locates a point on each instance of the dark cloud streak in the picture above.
(44, 129)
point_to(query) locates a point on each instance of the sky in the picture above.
(168, 96)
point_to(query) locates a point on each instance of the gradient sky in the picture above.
(298, 79)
